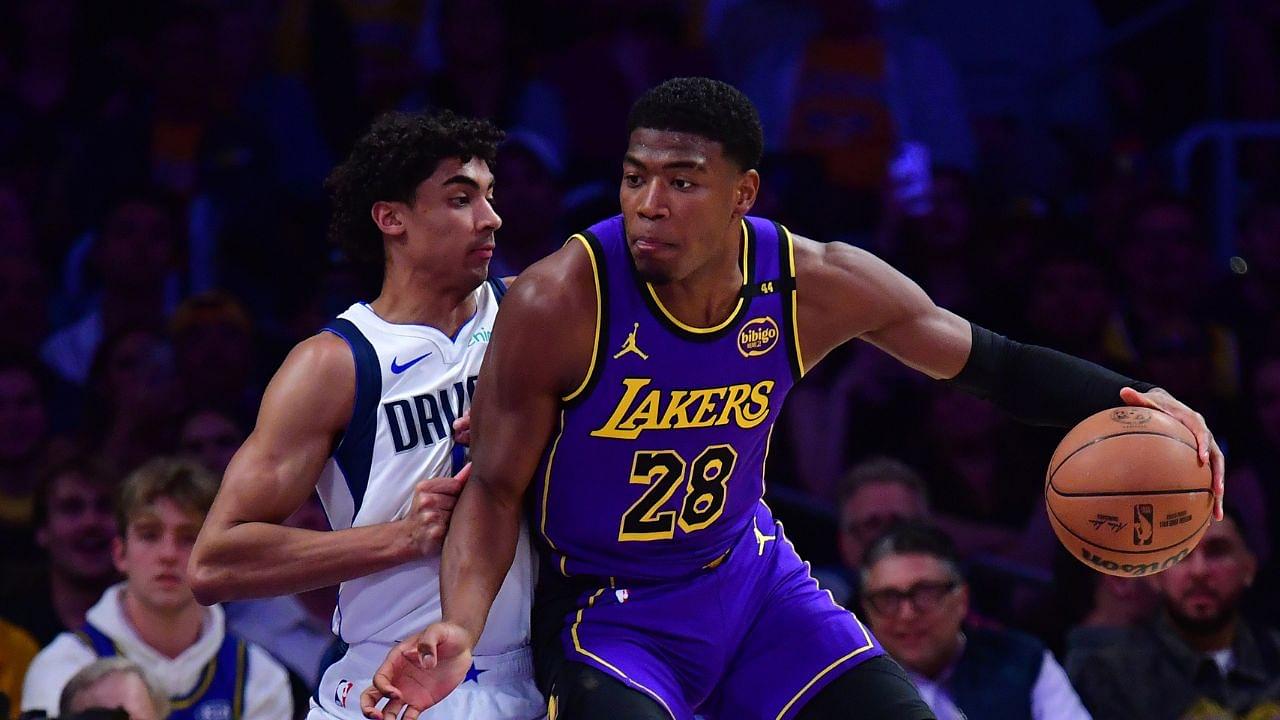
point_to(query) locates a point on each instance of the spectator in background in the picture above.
(134, 400)
(17, 648)
(916, 600)
(1199, 658)
(874, 495)
(152, 617)
(1252, 303)
(130, 260)
(112, 683)
(295, 629)
(74, 526)
(211, 437)
(1070, 306)
(23, 302)
(24, 430)
(213, 347)
(532, 203)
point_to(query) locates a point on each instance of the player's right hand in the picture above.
(432, 509)
(419, 672)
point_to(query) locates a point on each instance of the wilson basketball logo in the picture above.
(757, 337)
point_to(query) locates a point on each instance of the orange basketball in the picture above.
(1126, 493)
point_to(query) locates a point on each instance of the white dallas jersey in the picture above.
(412, 382)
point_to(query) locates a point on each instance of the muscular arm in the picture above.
(540, 350)
(243, 550)
(863, 297)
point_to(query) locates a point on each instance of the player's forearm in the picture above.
(258, 559)
(1039, 385)
(478, 552)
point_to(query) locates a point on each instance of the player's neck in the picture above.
(168, 633)
(418, 298)
(706, 296)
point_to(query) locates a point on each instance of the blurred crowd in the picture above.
(162, 246)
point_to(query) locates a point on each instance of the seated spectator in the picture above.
(24, 430)
(214, 355)
(74, 526)
(916, 599)
(1199, 658)
(212, 438)
(112, 683)
(874, 495)
(153, 619)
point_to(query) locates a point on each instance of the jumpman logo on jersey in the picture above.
(761, 538)
(630, 345)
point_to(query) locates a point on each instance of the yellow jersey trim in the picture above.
(795, 303)
(595, 343)
(858, 651)
(202, 687)
(237, 702)
(546, 490)
(577, 645)
(737, 309)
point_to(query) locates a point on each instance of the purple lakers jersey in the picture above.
(658, 467)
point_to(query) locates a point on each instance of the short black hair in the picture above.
(915, 538)
(709, 108)
(388, 162)
(881, 469)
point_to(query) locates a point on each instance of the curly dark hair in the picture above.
(399, 151)
(705, 107)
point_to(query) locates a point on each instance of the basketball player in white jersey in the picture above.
(364, 410)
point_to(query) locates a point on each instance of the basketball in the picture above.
(1126, 493)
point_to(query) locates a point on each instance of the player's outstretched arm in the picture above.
(244, 551)
(863, 297)
(540, 350)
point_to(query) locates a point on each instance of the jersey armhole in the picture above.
(595, 254)
(787, 262)
(354, 452)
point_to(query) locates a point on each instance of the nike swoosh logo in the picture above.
(396, 368)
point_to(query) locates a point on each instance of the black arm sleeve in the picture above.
(1037, 385)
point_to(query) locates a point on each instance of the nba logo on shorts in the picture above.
(340, 694)
(1143, 526)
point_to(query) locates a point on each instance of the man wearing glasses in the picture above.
(916, 600)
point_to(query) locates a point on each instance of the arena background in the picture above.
(1099, 177)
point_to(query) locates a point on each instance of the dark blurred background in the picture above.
(1100, 177)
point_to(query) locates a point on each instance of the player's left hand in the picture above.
(462, 429)
(418, 673)
(1207, 448)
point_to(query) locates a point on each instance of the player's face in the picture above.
(916, 605)
(681, 202)
(78, 531)
(452, 222)
(1203, 591)
(153, 555)
(870, 512)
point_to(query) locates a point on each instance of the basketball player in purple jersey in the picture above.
(631, 387)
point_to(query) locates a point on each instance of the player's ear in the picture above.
(745, 192)
(386, 215)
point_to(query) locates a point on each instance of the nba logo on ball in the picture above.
(757, 336)
(1143, 524)
(340, 694)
